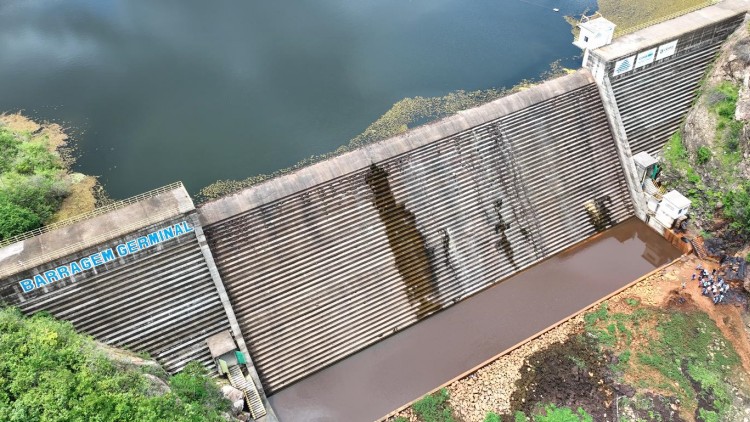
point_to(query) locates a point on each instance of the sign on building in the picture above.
(624, 65)
(666, 50)
(645, 57)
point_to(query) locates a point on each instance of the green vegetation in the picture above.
(492, 417)
(704, 154)
(633, 14)
(737, 208)
(552, 413)
(722, 102)
(33, 182)
(689, 354)
(406, 113)
(434, 407)
(48, 372)
(718, 181)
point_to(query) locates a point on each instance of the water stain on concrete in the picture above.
(600, 215)
(503, 244)
(407, 244)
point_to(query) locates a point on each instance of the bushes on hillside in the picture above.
(48, 372)
(33, 182)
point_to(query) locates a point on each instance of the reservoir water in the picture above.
(197, 91)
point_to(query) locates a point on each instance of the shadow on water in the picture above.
(407, 244)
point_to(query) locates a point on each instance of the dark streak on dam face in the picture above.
(377, 380)
(344, 253)
(407, 244)
(326, 261)
(503, 244)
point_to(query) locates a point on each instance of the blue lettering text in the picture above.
(178, 229)
(187, 227)
(51, 276)
(143, 242)
(108, 255)
(39, 280)
(167, 233)
(122, 250)
(63, 272)
(86, 263)
(132, 247)
(27, 285)
(97, 259)
(153, 238)
(75, 268)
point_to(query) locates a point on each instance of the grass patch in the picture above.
(552, 413)
(434, 407)
(722, 102)
(637, 13)
(686, 350)
(492, 417)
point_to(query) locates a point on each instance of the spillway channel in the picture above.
(373, 382)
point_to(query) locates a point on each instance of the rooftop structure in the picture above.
(595, 32)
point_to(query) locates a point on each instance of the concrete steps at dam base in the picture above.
(315, 266)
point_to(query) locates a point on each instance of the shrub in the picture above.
(16, 219)
(553, 413)
(434, 407)
(704, 154)
(492, 417)
(737, 208)
(194, 385)
(50, 372)
(33, 182)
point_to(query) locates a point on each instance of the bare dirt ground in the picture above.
(541, 371)
(731, 318)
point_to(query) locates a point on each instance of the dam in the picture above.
(326, 270)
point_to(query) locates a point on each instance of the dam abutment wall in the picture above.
(310, 267)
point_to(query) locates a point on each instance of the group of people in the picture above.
(711, 284)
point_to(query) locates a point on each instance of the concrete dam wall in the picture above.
(311, 267)
(655, 73)
(135, 277)
(332, 258)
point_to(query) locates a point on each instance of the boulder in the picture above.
(238, 406)
(157, 386)
(232, 394)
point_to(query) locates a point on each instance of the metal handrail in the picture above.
(626, 31)
(93, 213)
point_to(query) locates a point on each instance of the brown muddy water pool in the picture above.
(369, 384)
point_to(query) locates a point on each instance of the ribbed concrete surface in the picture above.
(161, 300)
(375, 381)
(654, 99)
(164, 303)
(328, 260)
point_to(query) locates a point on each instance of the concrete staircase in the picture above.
(238, 380)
